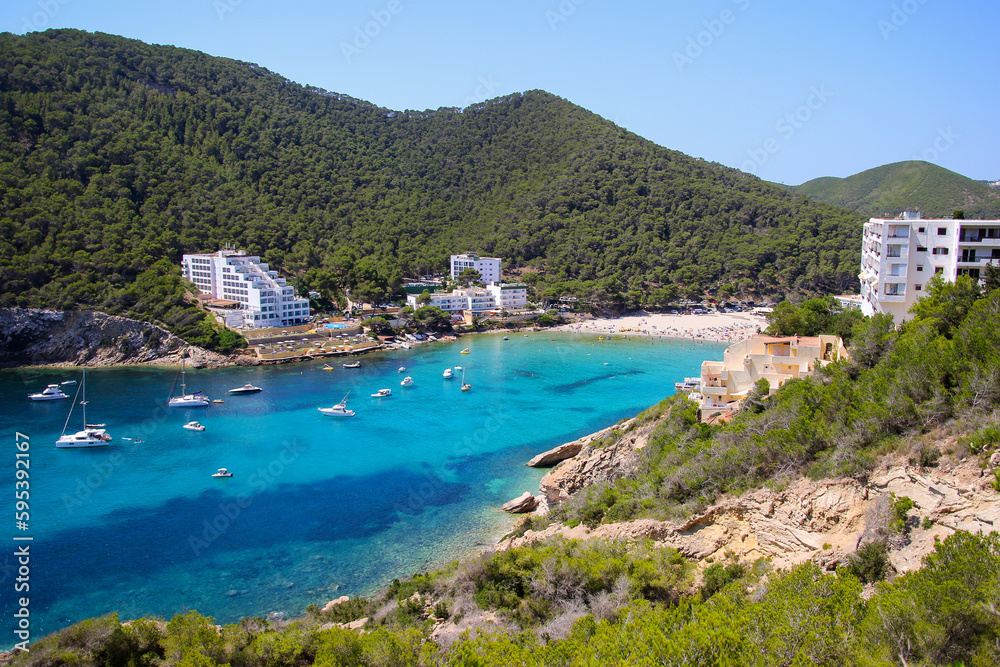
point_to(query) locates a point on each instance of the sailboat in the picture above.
(465, 385)
(186, 400)
(91, 435)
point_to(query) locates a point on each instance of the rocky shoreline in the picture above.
(37, 337)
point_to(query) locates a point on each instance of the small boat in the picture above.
(327, 367)
(465, 351)
(405, 346)
(407, 381)
(382, 393)
(338, 410)
(50, 393)
(465, 385)
(245, 389)
(447, 375)
(402, 369)
(186, 400)
(356, 364)
(458, 368)
(194, 426)
(218, 400)
(222, 473)
(689, 384)
(91, 435)
(68, 383)
(505, 338)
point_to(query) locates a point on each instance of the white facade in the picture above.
(265, 299)
(477, 299)
(488, 267)
(900, 255)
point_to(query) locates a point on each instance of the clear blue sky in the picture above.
(787, 89)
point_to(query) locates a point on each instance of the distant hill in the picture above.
(893, 188)
(118, 156)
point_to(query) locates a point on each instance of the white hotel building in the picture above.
(488, 267)
(265, 300)
(899, 256)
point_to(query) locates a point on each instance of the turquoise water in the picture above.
(318, 506)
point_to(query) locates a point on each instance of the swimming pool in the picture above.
(336, 325)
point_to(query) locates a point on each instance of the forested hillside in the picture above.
(910, 186)
(117, 156)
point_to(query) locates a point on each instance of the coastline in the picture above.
(717, 327)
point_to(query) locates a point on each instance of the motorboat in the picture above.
(505, 338)
(92, 435)
(50, 393)
(194, 426)
(338, 410)
(218, 400)
(223, 472)
(402, 369)
(356, 364)
(458, 368)
(186, 400)
(68, 383)
(406, 382)
(405, 346)
(245, 389)
(689, 384)
(382, 393)
(465, 351)
(448, 374)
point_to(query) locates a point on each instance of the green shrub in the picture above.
(870, 563)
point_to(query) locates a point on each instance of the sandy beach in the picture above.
(724, 327)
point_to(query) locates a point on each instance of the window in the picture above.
(920, 267)
(942, 231)
(917, 287)
(938, 270)
(921, 229)
(939, 251)
(921, 248)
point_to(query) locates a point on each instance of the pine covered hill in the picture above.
(116, 157)
(915, 185)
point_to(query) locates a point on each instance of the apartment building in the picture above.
(899, 255)
(262, 297)
(488, 267)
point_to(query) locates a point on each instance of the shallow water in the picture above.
(318, 507)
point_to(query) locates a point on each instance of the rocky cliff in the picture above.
(30, 336)
(825, 520)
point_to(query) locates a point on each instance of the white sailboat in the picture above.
(186, 400)
(465, 385)
(91, 435)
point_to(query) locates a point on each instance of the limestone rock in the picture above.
(333, 603)
(556, 454)
(523, 503)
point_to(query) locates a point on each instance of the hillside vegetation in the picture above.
(117, 156)
(890, 189)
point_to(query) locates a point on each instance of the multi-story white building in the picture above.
(899, 256)
(264, 299)
(498, 296)
(488, 267)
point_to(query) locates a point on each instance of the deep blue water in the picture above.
(319, 507)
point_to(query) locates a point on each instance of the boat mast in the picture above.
(84, 401)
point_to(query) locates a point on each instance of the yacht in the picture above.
(382, 393)
(186, 400)
(50, 393)
(448, 374)
(356, 364)
(92, 435)
(194, 426)
(223, 472)
(407, 382)
(246, 389)
(338, 410)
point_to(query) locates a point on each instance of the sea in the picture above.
(318, 506)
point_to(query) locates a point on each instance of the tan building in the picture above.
(724, 384)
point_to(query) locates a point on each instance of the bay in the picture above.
(318, 507)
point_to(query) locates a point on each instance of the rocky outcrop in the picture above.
(556, 454)
(597, 461)
(822, 520)
(526, 502)
(31, 336)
